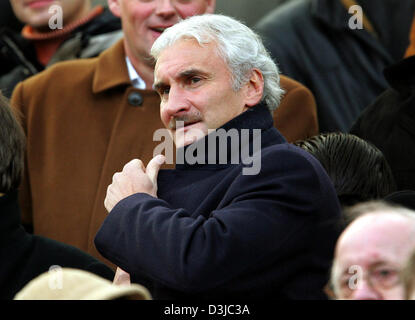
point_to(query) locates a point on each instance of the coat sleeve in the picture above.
(25, 198)
(263, 221)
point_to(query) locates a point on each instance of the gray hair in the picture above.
(240, 47)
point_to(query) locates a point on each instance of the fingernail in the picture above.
(161, 159)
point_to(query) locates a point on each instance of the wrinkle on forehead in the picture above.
(195, 52)
(376, 237)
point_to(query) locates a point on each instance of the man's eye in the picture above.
(386, 276)
(384, 273)
(163, 91)
(194, 80)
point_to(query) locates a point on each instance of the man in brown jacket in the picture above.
(85, 119)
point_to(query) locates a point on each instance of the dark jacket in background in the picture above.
(389, 123)
(312, 43)
(7, 17)
(23, 256)
(214, 233)
(18, 59)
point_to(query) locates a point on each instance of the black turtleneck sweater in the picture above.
(24, 256)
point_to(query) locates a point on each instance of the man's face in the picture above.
(195, 87)
(36, 12)
(369, 256)
(143, 21)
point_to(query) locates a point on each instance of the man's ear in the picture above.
(211, 5)
(114, 6)
(254, 88)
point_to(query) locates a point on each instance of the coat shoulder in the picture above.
(60, 73)
(55, 84)
(289, 84)
(296, 117)
(285, 16)
(291, 155)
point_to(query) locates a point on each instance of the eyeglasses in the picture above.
(379, 278)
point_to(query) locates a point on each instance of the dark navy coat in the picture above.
(215, 233)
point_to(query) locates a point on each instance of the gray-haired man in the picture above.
(207, 230)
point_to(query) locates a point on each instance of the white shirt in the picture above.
(136, 80)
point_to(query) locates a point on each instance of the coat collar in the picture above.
(111, 69)
(257, 117)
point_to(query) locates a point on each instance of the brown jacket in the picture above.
(82, 127)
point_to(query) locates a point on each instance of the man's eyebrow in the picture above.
(191, 72)
(182, 75)
(157, 86)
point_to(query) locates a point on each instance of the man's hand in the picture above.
(134, 178)
(121, 278)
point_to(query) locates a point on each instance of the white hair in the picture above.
(240, 47)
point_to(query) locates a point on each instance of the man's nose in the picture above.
(165, 9)
(365, 292)
(176, 103)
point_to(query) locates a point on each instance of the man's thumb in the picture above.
(121, 277)
(153, 167)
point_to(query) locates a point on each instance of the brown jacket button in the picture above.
(135, 99)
